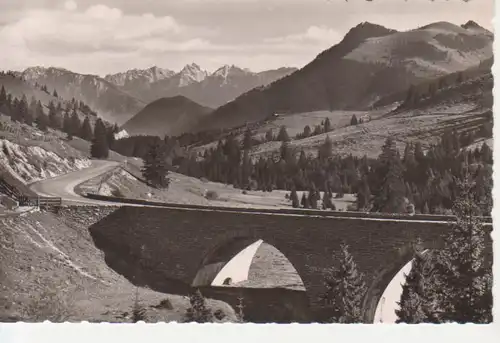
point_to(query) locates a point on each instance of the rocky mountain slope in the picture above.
(166, 116)
(211, 90)
(29, 154)
(369, 63)
(229, 82)
(111, 103)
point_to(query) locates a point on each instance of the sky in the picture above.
(109, 36)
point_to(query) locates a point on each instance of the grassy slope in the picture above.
(457, 106)
(42, 253)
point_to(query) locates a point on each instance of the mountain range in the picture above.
(118, 97)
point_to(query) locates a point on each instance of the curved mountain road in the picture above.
(63, 186)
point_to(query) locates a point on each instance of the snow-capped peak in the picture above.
(150, 75)
(191, 73)
(39, 71)
(227, 70)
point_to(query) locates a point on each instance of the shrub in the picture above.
(211, 195)
(165, 304)
(219, 314)
(117, 193)
(50, 305)
(198, 311)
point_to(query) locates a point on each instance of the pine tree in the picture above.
(74, 124)
(327, 200)
(304, 201)
(86, 130)
(138, 311)
(42, 121)
(283, 135)
(269, 135)
(3, 96)
(54, 121)
(198, 311)
(363, 195)
(415, 305)
(354, 120)
(389, 197)
(155, 168)
(307, 131)
(247, 140)
(55, 94)
(325, 150)
(345, 290)
(327, 125)
(99, 147)
(22, 109)
(467, 276)
(295, 198)
(66, 127)
(110, 136)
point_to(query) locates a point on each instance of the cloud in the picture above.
(44, 33)
(70, 5)
(115, 35)
(313, 35)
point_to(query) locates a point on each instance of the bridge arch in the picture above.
(279, 296)
(385, 275)
(227, 247)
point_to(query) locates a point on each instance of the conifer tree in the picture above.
(54, 121)
(304, 201)
(99, 147)
(86, 130)
(269, 135)
(41, 119)
(74, 124)
(327, 125)
(155, 168)
(198, 311)
(307, 131)
(354, 120)
(247, 140)
(3, 96)
(345, 289)
(325, 150)
(138, 311)
(389, 197)
(363, 195)
(327, 200)
(22, 110)
(415, 305)
(283, 135)
(467, 273)
(66, 127)
(295, 198)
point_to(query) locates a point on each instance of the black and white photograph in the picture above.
(246, 161)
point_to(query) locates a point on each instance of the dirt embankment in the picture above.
(51, 270)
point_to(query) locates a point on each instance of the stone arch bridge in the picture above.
(172, 249)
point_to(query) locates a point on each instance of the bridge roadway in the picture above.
(63, 186)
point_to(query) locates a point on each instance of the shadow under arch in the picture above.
(218, 257)
(264, 301)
